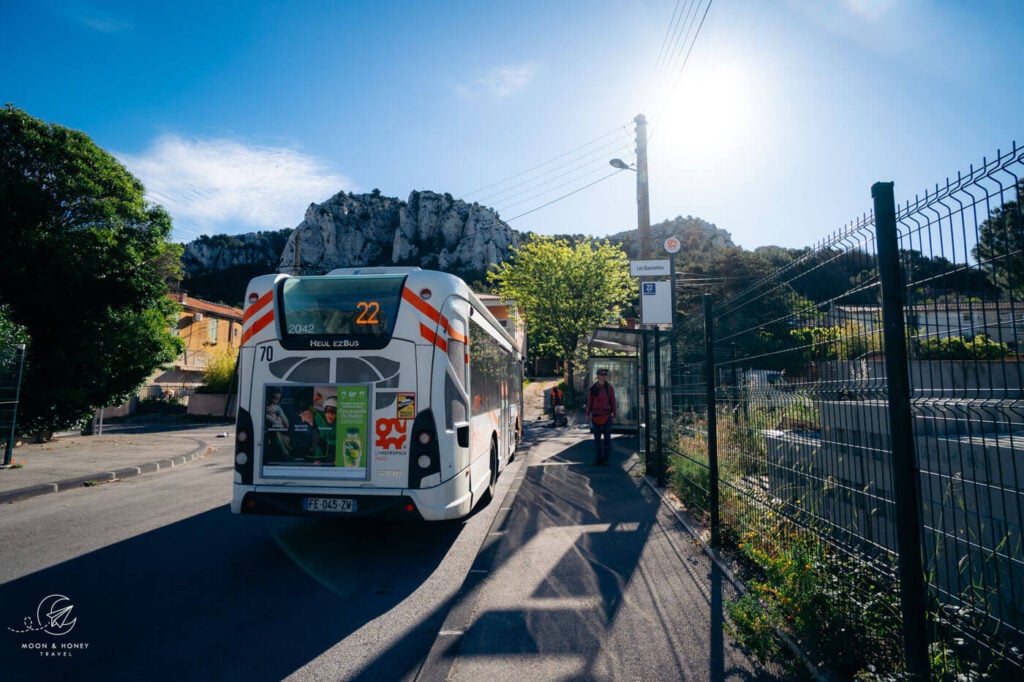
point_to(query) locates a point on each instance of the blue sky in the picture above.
(771, 122)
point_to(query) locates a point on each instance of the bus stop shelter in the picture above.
(642, 358)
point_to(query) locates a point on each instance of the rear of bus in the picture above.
(343, 385)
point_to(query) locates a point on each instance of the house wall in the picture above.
(206, 337)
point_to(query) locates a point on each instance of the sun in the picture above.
(709, 108)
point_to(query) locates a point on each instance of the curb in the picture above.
(90, 480)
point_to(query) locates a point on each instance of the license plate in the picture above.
(329, 504)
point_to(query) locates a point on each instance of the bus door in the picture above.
(450, 385)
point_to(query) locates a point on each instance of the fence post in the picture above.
(709, 362)
(645, 387)
(904, 462)
(657, 408)
(9, 450)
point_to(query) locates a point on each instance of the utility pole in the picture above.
(643, 201)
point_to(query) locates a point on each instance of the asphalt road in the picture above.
(165, 583)
(574, 571)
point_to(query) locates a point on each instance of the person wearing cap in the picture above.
(601, 411)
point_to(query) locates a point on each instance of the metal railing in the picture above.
(852, 425)
(12, 363)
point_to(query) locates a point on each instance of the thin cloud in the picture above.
(499, 82)
(213, 186)
(95, 18)
(106, 25)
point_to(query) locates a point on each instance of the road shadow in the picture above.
(215, 596)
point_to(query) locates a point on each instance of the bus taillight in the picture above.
(424, 451)
(243, 446)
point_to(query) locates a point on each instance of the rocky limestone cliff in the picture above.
(429, 230)
(219, 268)
(222, 252)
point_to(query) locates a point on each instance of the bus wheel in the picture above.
(489, 493)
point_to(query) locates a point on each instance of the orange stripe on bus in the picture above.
(251, 311)
(421, 305)
(257, 326)
(433, 338)
(432, 313)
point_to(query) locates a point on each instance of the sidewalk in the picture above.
(73, 461)
(589, 574)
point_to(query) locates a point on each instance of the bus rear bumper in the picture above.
(293, 503)
(432, 504)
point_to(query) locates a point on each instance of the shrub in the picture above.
(219, 375)
(956, 348)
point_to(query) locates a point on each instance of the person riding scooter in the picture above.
(558, 407)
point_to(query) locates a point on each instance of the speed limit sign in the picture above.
(672, 245)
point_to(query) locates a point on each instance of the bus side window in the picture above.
(457, 350)
(457, 407)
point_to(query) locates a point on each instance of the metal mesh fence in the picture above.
(12, 360)
(776, 425)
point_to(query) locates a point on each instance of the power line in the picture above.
(616, 131)
(563, 196)
(673, 56)
(602, 152)
(677, 36)
(549, 190)
(674, 80)
(665, 40)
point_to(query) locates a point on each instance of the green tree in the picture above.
(85, 263)
(1000, 247)
(760, 313)
(564, 291)
(11, 335)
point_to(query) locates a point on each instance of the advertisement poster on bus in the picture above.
(317, 426)
(353, 411)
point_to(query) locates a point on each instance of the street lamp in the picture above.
(644, 228)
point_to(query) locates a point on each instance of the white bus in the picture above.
(372, 391)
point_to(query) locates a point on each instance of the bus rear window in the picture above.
(339, 312)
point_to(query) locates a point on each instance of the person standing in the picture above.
(601, 411)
